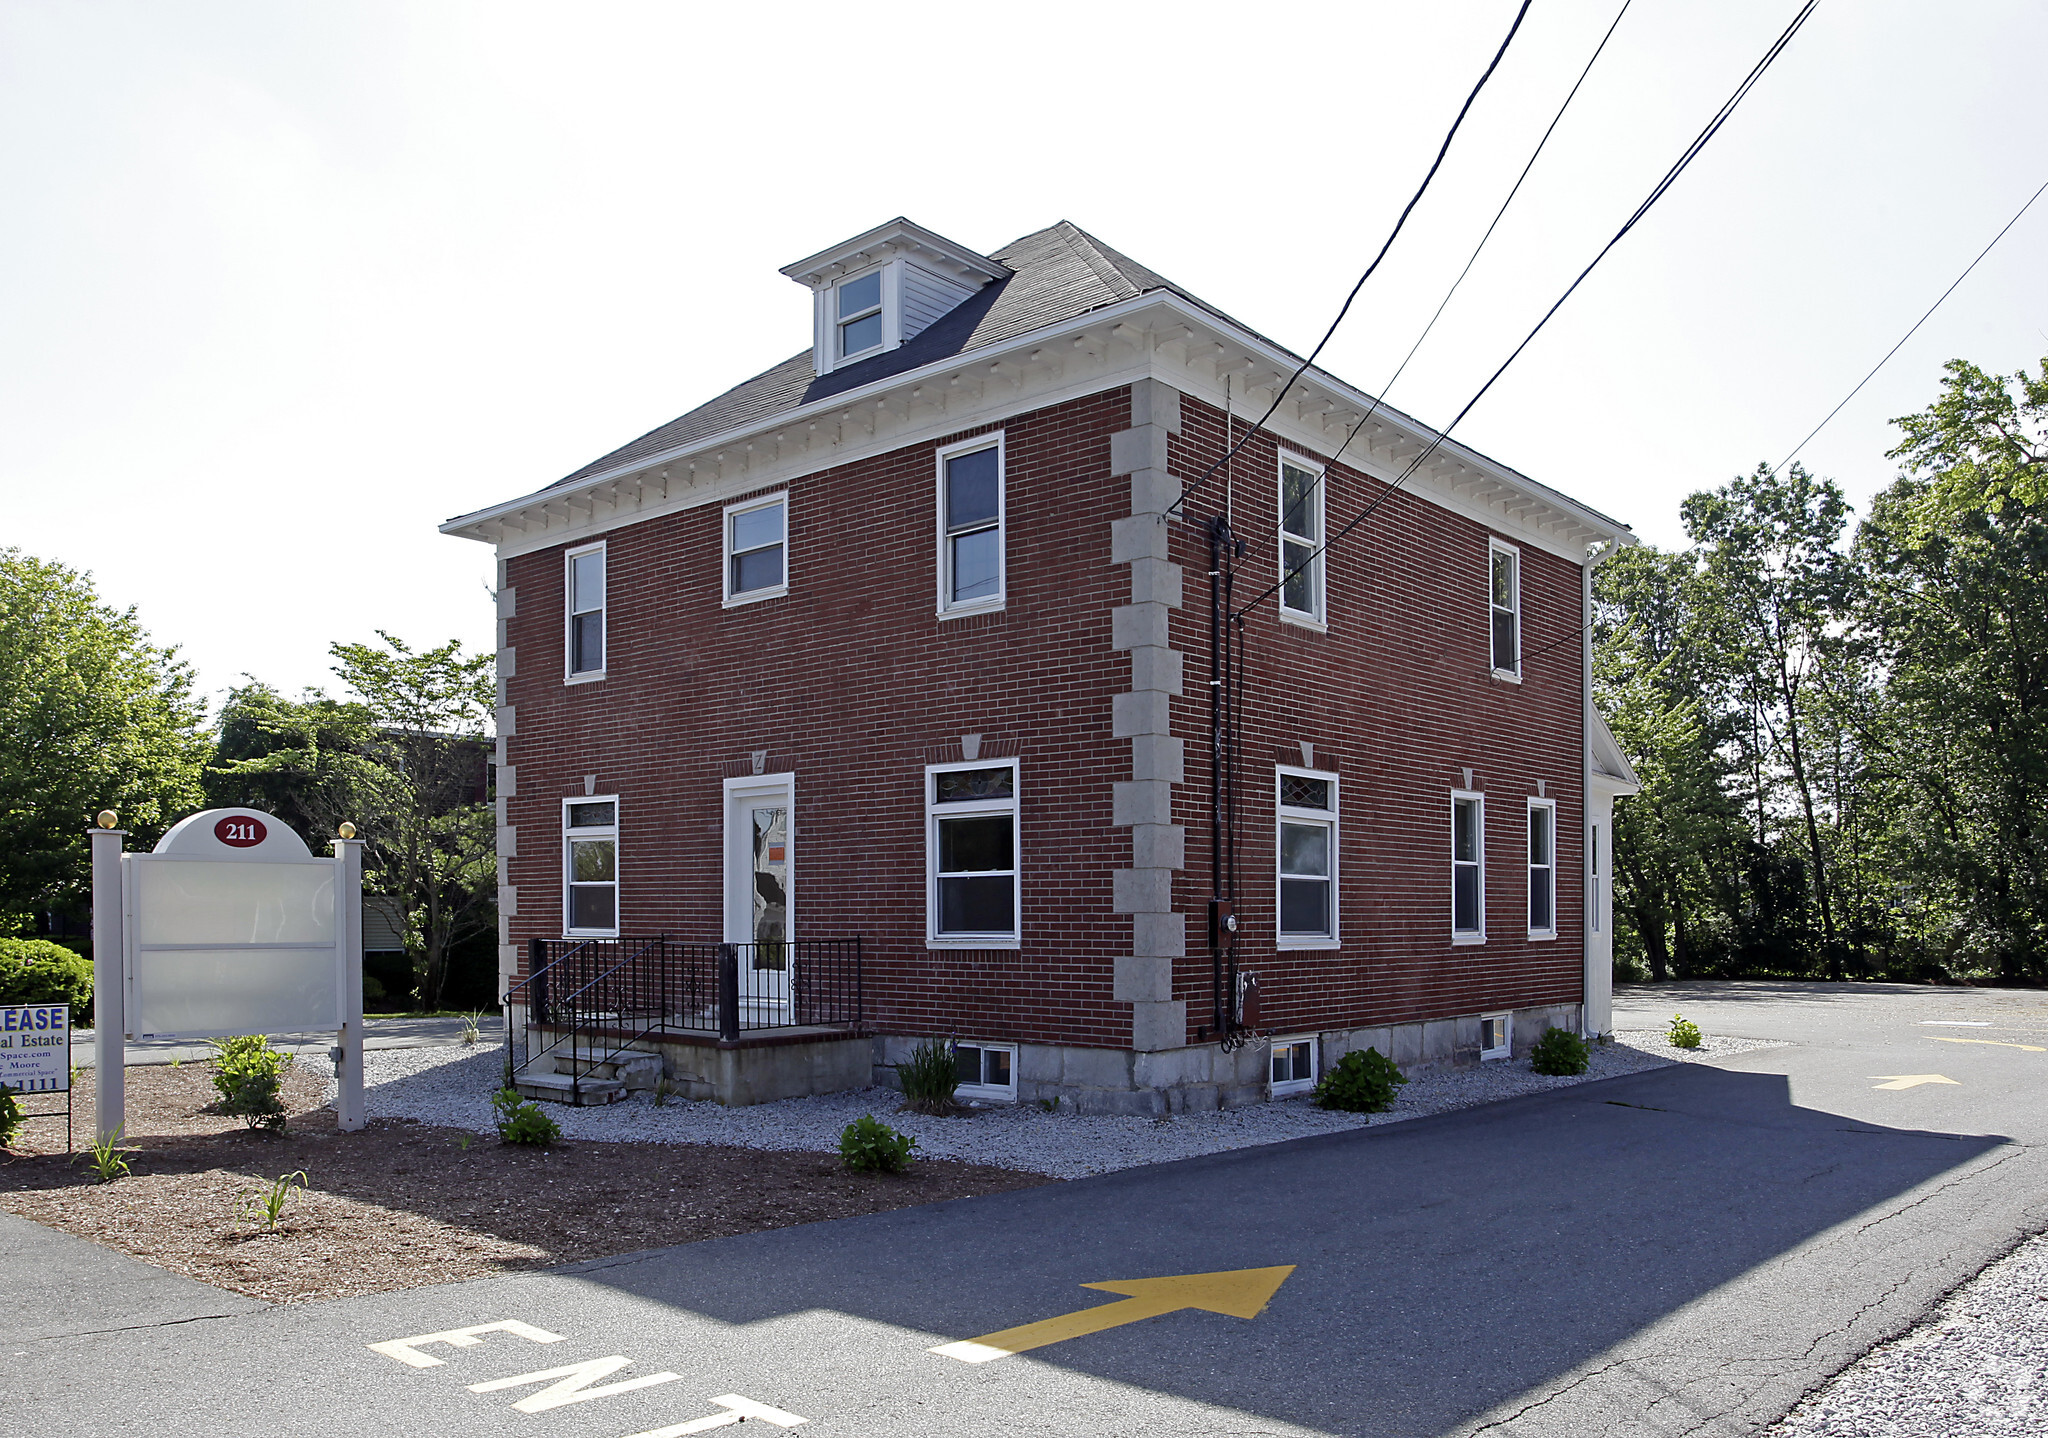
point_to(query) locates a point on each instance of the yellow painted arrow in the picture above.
(1241, 1293)
(1994, 1043)
(1896, 1081)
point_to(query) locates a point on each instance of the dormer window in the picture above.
(881, 290)
(860, 315)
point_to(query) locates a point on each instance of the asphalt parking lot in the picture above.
(1681, 1251)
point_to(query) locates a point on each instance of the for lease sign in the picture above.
(35, 1048)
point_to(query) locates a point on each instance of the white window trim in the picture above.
(1315, 1065)
(1536, 934)
(828, 317)
(1001, 597)
(569, 674)
(731, 600)
(1493, 547)
(1507, 1028)
(1013, 806)
(1317, 619)
(1000, 1092)
(1331, 816)
(1467, 936)
(611, 832)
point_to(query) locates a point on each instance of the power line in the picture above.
(1678, 168)
(1388, 387)
(1909, 333)
(1443, 150)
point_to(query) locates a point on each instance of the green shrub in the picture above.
(37, 971)
(373, 991)
(1559, 1051)
(870, 1146)
(929, 1076)
(1362, 1082)
(249, 1074)
(521, 1120)
(11, 1116)
(1683, 1033)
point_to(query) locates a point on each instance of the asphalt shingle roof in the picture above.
(1059, 273)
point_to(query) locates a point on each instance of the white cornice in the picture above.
(1160, 334)
(898, 237)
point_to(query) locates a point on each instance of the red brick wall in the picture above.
(851, 682)
(1398, 698)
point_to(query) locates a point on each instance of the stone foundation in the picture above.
(1203, 1079)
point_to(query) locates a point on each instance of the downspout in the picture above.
(1588, 883)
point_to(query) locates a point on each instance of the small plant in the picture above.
(472, 1027)
(249, 1074)
(929, 1077)
(1362, 1082)
(1683, 1033)
(465, 1141)
(11, 1116)
(107, 1160)
(270, 1200)
(1050, 1105)
(1559, 1052)
(521, 1120)
(870, 1146)
(662, 1092)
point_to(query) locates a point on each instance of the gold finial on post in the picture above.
(348, 831)
(108, 819)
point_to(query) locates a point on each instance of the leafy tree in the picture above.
(1954, 561)
(1777, 587)
(406, 761)
(92, 716)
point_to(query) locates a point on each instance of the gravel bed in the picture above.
(1977, 1366)
(452, 1087)
(1712, 1046)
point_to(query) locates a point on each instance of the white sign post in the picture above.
(229, 926)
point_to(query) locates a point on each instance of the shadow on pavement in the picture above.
(1445, 1265)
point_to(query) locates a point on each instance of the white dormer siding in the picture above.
(917, 276)
(928, 298)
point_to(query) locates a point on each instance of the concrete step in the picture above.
(560, 1088)
(635, 1068)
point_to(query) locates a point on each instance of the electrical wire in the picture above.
(1414, 200)
(1657, 192)
(1910, 333)
(1538, 653)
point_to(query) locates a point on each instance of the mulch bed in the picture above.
(401, 1204)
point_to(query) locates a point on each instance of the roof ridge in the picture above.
(1113, 278)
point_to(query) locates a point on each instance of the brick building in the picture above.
(906, 641)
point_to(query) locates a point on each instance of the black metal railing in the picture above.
(592, 997)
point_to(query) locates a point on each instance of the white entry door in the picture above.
(759, 824)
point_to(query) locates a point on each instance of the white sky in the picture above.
(287, 285)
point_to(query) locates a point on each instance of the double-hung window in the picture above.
(857, 320)
(1542, 868)
(1505, 609)
(971, 854)
(590, 867)
(1301, 531)
(971, 524)
(1468, 868)
(756, 549)
(1307, 871)
(585, 584)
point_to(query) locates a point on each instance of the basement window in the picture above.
(1294, 1066)
(971, 855)
(985, 1070)
(590, 868)
(1496, 1037)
